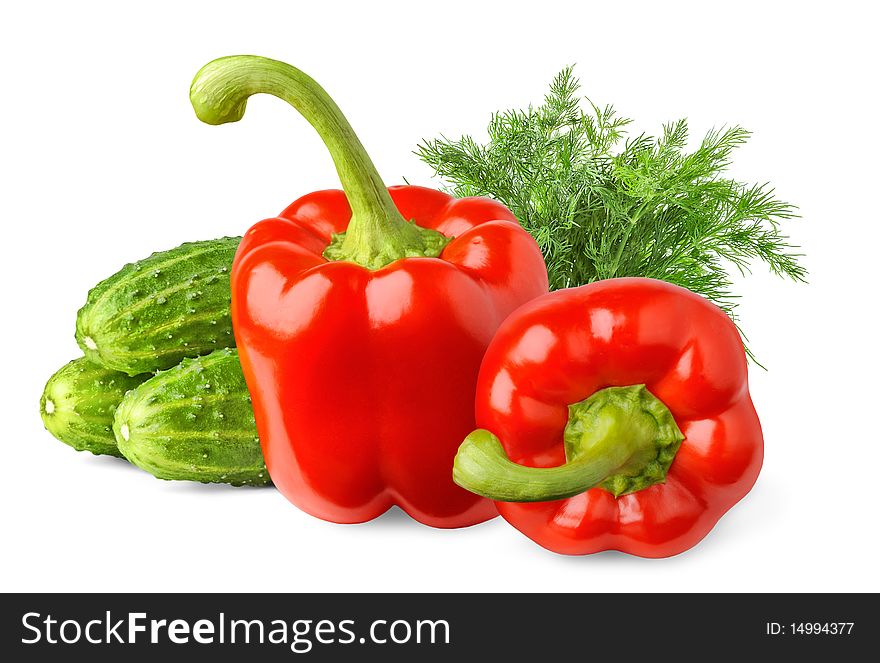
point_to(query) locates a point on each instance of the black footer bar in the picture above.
(427, 627)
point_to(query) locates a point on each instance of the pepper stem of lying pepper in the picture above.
(622, 439)
(377, 233)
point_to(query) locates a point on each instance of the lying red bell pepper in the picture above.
(614, 416)
(361, 319)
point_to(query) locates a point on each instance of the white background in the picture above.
(104, 162)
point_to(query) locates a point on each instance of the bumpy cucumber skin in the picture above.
(155, 312)
(193, 422)
(78, 404)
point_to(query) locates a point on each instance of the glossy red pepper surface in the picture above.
(561, 348)
(363, 381)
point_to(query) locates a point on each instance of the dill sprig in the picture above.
(602, 205)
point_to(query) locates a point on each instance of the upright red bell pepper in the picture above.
(614, 416)
(362, 317)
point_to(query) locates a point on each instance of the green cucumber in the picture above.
(155, 312)
(193, 422)
(78, 404)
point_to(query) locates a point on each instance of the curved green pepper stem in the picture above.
(377, 233)
(622, 439)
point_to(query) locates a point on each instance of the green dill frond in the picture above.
(601, 204)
